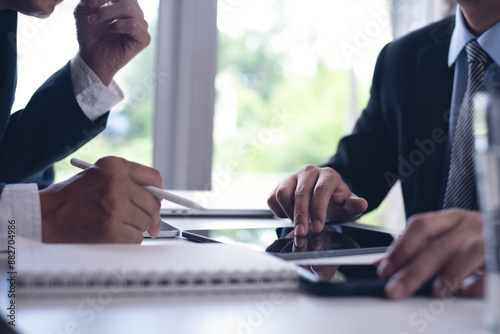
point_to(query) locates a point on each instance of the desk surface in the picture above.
(263, 313)
(275, 312)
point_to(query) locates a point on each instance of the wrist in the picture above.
(104, 74)
(51, 229)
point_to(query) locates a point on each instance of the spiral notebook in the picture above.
(174, 268)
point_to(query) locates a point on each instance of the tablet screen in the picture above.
(334, 240)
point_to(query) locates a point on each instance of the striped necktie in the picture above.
(461, 186)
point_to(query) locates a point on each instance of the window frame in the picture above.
(185, 94)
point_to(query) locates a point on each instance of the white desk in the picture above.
(292, 312)
(288, 313)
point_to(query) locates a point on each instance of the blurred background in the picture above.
(292, 77)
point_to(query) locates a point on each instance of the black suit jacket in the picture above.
(402, 132)
(49, 128)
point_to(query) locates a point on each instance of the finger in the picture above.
(127, 235)
(468, 259)
(154, 229)
(306, 181)
(353, 207)
(115, 231)
(89, 7)
(144, 200)
(426, 264)
(285, 195)
(300, 244)
(420, 229)
(116, 11)
(475, 288)
(143, 175)
(133, 28)
(99, 3)
(324, 273)
(272, 202)
(96, 3)
(316, 245)
(136, 218)
(326, 184)
(129, 203)
(149, 205)
(378, 261)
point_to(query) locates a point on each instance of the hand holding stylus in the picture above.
(160, 193)
(103, 204)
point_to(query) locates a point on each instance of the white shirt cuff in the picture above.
(21, 203)
(92, 95)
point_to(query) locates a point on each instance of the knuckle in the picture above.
(110, 162)
(133, 25)
(301, 215)
(308, 168)
(301, 192)
(330, 172)
(115, 183)
(321, 189)
(283, 194)
(147, 37)
(419, 222)
(271, 201)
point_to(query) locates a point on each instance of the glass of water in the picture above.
(487, 135)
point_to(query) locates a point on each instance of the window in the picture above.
(292, 78)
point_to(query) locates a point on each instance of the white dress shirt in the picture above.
(489, 41)
(21, 202)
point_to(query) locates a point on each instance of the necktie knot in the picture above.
(476, 54)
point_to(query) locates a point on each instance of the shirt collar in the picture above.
(489, 41)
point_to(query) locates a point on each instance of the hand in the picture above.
(447, 243)
(312, 242)
(110, 34)
(104, 203)
(315, 194)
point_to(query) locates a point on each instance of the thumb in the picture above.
(354, 206)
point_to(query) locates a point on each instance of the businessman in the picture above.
(416, 128)
(105, 203)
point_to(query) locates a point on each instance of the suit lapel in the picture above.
(434, 86)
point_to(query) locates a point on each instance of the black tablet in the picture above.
(336, 240)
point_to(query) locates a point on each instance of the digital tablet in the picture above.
(336, 244)
(335, 240)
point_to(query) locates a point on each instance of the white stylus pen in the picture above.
(160, 193)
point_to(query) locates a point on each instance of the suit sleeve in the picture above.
(365, 158)
(51, 127)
